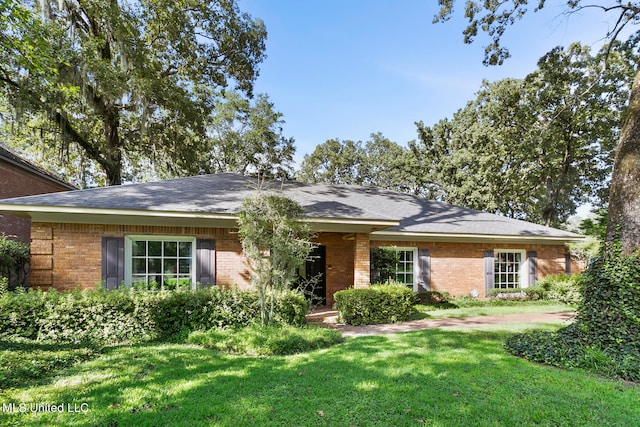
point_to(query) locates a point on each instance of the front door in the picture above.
(315, 274)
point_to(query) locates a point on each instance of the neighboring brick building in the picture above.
(19, 177)
(185, 230)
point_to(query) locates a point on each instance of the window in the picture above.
(160, 262)
(405, 271)
(392, 263)
(508, 269)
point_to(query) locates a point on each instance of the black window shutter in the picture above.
(533, 267)
(112, 261)
(206, 262)
(424, 270)
(567, 264)
(489, 272)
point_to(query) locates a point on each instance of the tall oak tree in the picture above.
(126, 79)
(493, 18)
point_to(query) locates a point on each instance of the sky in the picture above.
(348, 68)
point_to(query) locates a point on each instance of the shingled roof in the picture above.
(11, 157)
(210, 198)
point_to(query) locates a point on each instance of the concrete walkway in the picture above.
(328, 318)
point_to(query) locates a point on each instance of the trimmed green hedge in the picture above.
(374, 305)
(131, 316)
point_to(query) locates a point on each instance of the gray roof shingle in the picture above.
(224, 193)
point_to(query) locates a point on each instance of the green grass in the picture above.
(25, 360)
(269, 340)
(430, 377)
(488, 309)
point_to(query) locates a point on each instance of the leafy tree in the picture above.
(391, 166)
(535, 148)
(126, 80)
(276, 244)
(596, 226)
(607, 325)
(494, 17)
(247, 138)
(378, 162)
(383, 265)
(334, 162)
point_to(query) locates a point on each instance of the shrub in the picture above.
(605, 337)
(131, 316)
(535, 293)
(610, 311)
(4, 285)
(570, 348)
(563, 288)
(374, 305)
(270, 340)
(14, 261)
(508, 294)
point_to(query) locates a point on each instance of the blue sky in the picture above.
(348, 68)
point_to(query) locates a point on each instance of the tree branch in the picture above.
(59, 118)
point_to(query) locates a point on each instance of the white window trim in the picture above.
(128, 252)
(523, 277)
(415, 261)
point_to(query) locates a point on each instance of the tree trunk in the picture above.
(624, 196)
(113, 154)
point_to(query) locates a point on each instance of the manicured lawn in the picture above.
(490, 309)
(431, 377)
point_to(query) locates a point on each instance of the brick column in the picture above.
(361, 261)
(41, 256)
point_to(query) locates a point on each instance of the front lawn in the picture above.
(487, 308)
(430, 377)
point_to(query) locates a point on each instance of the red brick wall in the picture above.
(67, 256)
(362, 261)
(15, 182)
(458, 268)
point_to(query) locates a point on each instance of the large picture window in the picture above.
(160, 262)
(509, 269)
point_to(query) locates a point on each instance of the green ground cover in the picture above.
(430, 377)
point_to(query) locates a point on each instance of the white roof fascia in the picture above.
(473, 238)
(83, 215)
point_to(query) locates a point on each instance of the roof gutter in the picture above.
(474, 238)
(83, 215)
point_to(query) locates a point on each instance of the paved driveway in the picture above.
(328, 318)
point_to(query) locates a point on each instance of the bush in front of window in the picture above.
(374, 305)
(120, 316)
(508, 294)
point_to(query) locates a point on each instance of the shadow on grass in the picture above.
(431, 377)
(25, 362)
